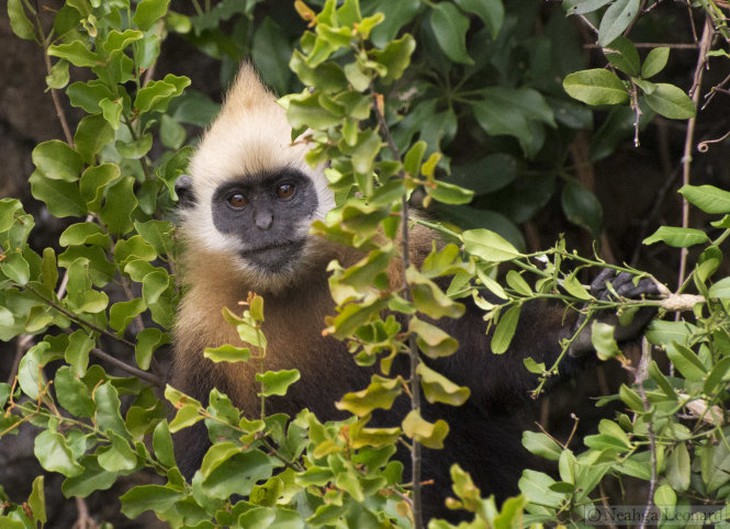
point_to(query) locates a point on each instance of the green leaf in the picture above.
(679, 468)
(119, 457)
(19, 21)
(15, 268)
(94, 181)
(147, 13)
(185, 417)
(670, 101)
(55, 160)
(430, 435)
(37, 500)
(596, 87)
(622, 54)
(148, 498)
(120, 202)
(720, 290)
(396, 57)
(616, 19)
(54, 455)
(61, 198)
(708, 198)
(505, 329)
(379, 395)
(73, 394)
(581, 207)
(233, 472)
(602, 338)
(437, 388)
(148, 340)
(541, 445)
(277, 382)
(686, 361)
(655, 62)
(430, 299)
(491, 12)
(108, 416)
(677, 237)
(93, 133)
(431, 340)
(162, 444)
(449, 26)
(112, 111)
(123, 312)
(447, 193)
(664, 496)
(77, 352)
(488, 246)
(155, 96)
(85, 233)
(227, 353)
(76, 53)
(92, 478)
(397, 14)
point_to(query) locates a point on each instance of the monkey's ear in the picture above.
(184, 190)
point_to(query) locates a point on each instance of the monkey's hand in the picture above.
(611, 286)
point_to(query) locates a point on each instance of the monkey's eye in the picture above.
(237, 200)
(285, 191)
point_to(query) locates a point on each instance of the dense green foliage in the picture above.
(398, 96)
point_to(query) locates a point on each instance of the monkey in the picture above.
(251, 199)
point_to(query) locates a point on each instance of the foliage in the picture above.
(397, 96)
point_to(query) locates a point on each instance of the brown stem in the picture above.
(144, 375)
(60, 112)
(415, 382)
(705, 42)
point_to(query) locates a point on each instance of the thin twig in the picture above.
(705, 42)
(415, 382)
(144, 375)
(642, 372)
(60, 112)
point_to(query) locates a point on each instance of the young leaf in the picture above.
(616, 19)
(677, 237)
(449, 26)
(622, 54)
(54, 454)
(655, 62)
(437, 388)
(491, 12)
(227, 353)
(148, 12)
(277, 382)
(541, 445)
(602, 338)
(505, 330)
(488, 246)
(671, 102)
(430, 435)
(596, 87)
(19, 21)
(709, 199)
(148, 498)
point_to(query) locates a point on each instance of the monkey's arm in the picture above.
(498, 380)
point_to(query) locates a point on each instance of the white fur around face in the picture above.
(250, 136)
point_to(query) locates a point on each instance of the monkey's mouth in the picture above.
(273, 257)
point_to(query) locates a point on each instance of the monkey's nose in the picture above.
(263, 219)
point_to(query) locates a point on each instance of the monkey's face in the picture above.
(268, 216)
(252, 197)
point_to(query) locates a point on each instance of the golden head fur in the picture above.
(250, 136)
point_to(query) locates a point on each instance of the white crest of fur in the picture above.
(250, 135)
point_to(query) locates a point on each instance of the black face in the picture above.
(265, 212)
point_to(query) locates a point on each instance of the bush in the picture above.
(398, 95)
